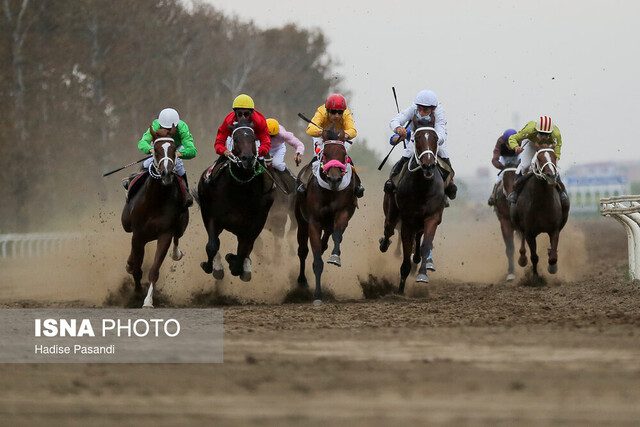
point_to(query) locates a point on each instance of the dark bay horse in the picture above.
(501, 208)
(324, 210)
(538, 209)
(418, 203)
(237, 200)
(156, 212)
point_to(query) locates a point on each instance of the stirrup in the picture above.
(359, 192)
(125, 183)
(491, 201)
(388, 186)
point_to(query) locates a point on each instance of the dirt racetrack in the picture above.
(465, 352)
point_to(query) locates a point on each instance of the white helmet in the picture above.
(168, 118)
(427, 98)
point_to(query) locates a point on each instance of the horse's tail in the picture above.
(195, 195)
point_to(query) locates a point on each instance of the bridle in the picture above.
(332, 163)
(538, 170)
(154, 166)
(235, 158)
(425, 152)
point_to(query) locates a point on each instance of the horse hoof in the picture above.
(422, 278)
(317, 302)
(147, 304)
(511, 277)
(177, 256)
(384, 244)
(128, 269)
(522, 262)
(245, 276)
(206, 267)
(303, 283)
(218, 274)
(430, 266)
(334, 259)
(552, 269)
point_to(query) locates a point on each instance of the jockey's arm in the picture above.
(188, 149)
(558, 138)
(319, 118)
(525, 133)
(349, 124)
(441, 124)
(401, 118)
(144, 144)
(496, 155)
(291, 139)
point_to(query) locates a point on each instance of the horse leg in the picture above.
(325, 240)
(554, 238)
(339, 227)
(531, 240)
(176, 253)
(407, 246)
(303, 250)
(134, 263)
(318, 265)
(241, 260)
(507, 236)
(430, 226)
(391, 217)
(416, 250)
(522, 261)
(213, 265)
(164, 241)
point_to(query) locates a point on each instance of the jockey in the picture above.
(279, 135)
(243, 106)
(426, 108)
(541, 131)
(185, 148)
(333, 116)
(502, 155)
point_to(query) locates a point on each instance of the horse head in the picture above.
(164, 153)
(333, 162)
(425, 146)
(509, 176)
(244, 143)
(544, 164)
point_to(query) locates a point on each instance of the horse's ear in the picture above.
(173, 130)
(154, 135)
(231, 127)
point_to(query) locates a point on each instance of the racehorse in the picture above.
(501, 208)
(283, 209)
(418, 203)
(237, 200)
(324, 209)
(155, 211)
(538, 208)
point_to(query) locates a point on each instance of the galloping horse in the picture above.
(237, 200)
(501, 208)
(325, 209)
(283, 208)
(155, 212)
(538, 208)
(418, 203)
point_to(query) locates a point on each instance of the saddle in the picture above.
(214, 171)
(135, 183)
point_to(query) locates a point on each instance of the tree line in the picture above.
(82, 79)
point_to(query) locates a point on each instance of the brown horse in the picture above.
(538, 208)
(418, 203)
(156, 212)
(324, 210)
(237, 200)
(501, 208)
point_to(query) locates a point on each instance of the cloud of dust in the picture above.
(468, 248)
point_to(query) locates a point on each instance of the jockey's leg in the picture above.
(182, 173)
(143, 167)
(305, 174)
(389, 187)
(452, 189)
(525, 161)
(492, 197)
(564, 197)
(359, 191)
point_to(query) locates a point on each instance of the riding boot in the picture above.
(492, 197)
(188, 199)
(564, 196)
(359, 190)
(517, 186)
(452, 189)
(304, 178)
(126, 181)
(389, 186)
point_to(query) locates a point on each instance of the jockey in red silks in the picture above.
(243, 107)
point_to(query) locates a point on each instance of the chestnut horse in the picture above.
(237, 200)
(418, 203)
(501, 208)
(538, 209)
(156, 212)
(324, 210)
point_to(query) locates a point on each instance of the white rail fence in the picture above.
(31, 245)
(626, 210)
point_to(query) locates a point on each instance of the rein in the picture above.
(153, 167)
(538, 170)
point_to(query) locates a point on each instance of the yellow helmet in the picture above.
(243, 101)
(273, 126)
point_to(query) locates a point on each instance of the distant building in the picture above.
(587, 183)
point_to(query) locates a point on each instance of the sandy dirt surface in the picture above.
(469, 349)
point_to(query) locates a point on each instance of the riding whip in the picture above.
(126, 166)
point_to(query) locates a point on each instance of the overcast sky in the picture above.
(493, 64)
